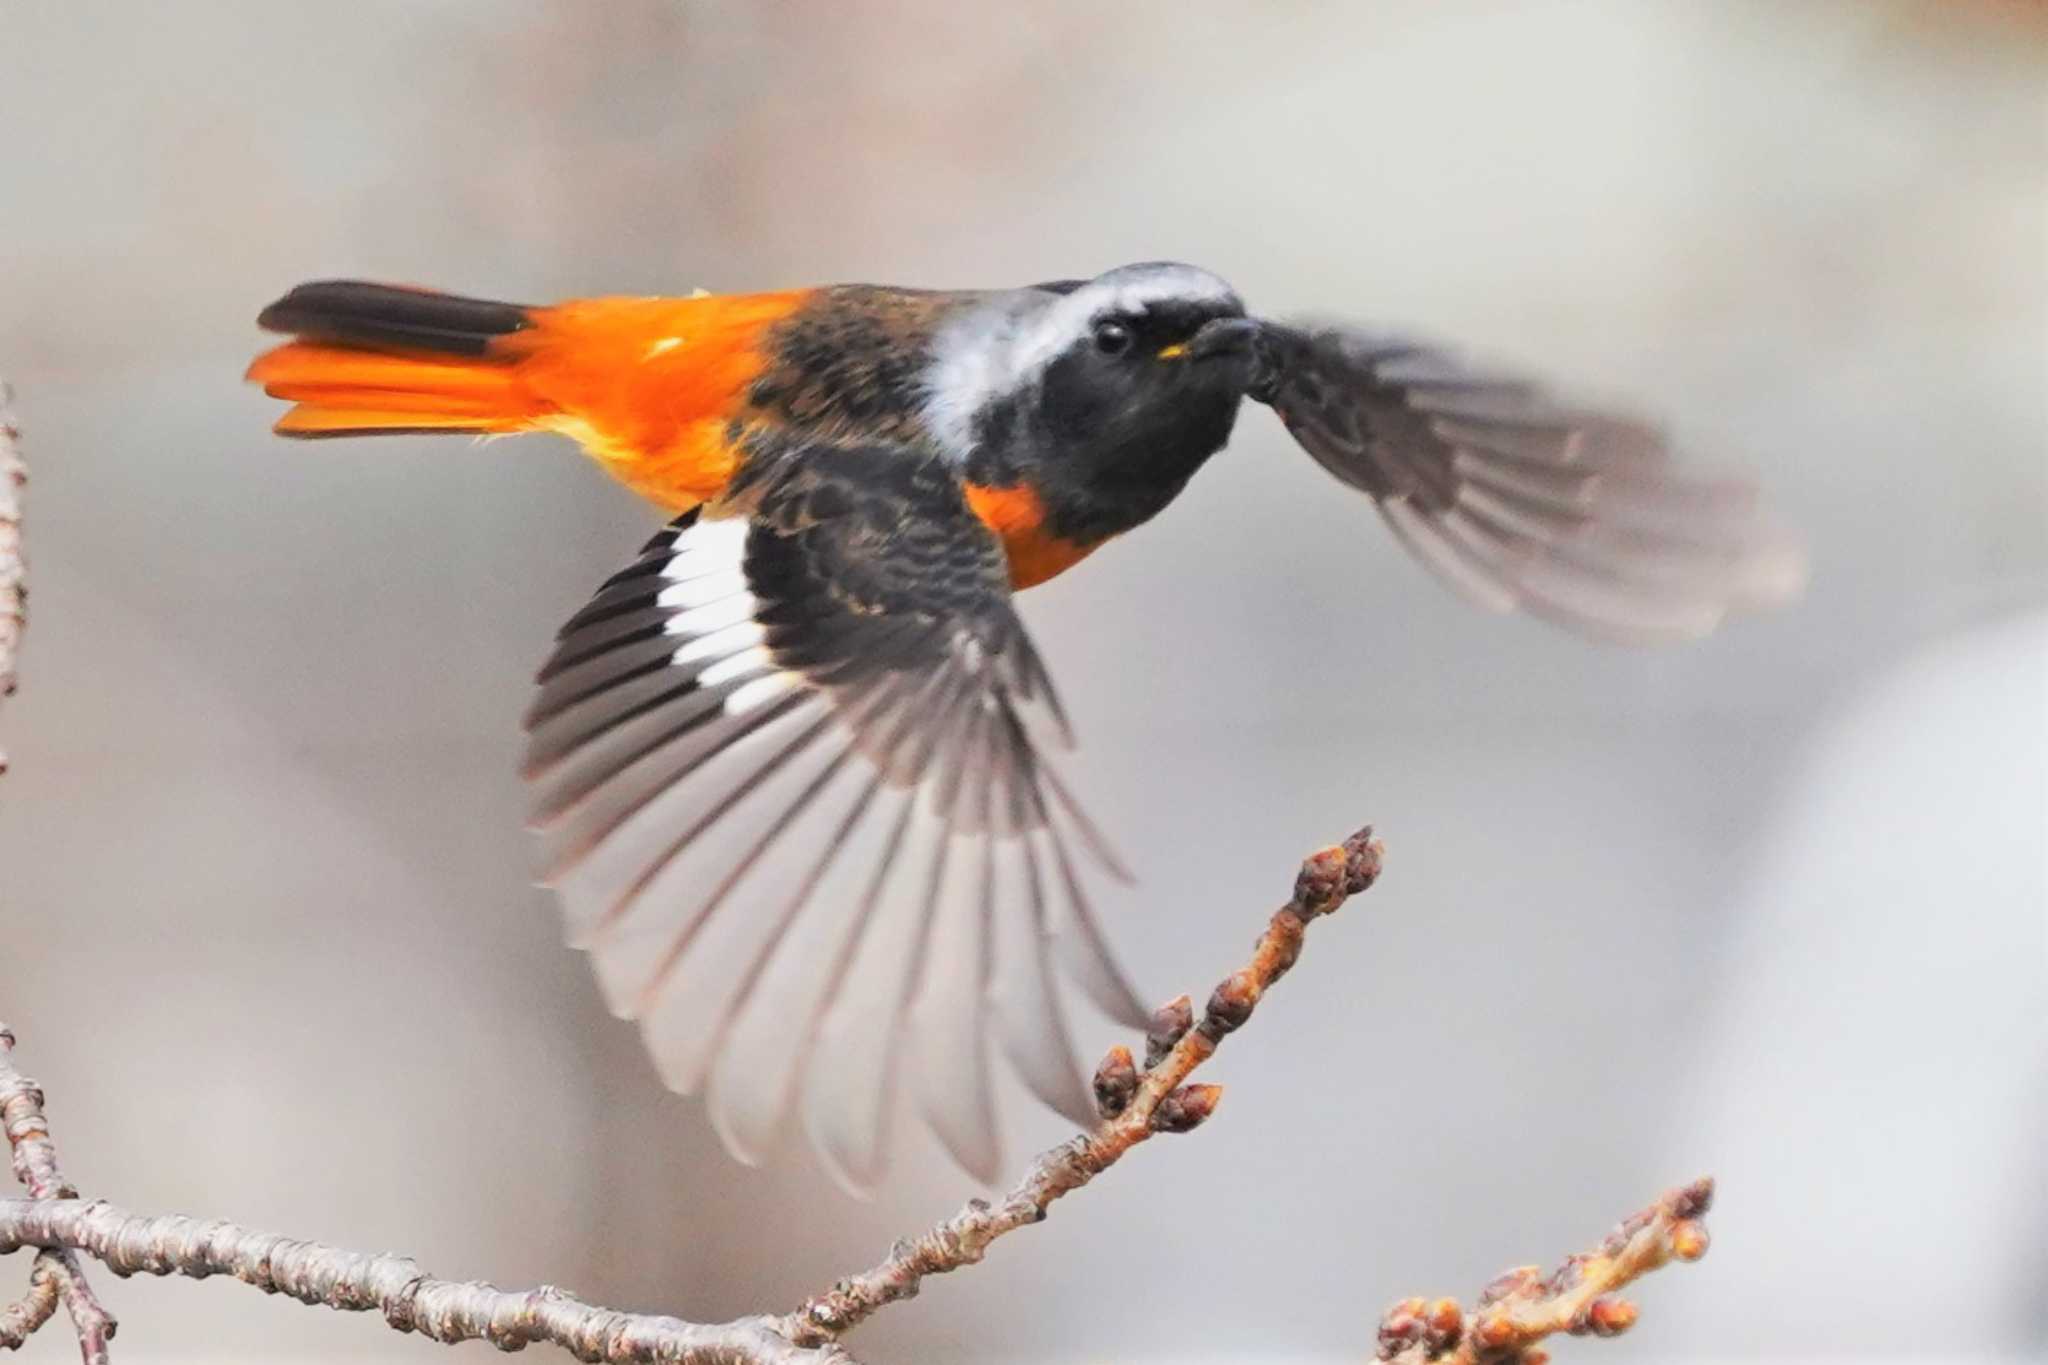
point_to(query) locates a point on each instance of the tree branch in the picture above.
(1513, 1314)
(20, 1319)
(55, 1277)
(1524, 1306)
(13, 571)
(409, 1299)
(1135, 1105)
(56, 1274)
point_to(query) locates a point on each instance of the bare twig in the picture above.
(408, 1298)
(13, 572)
(1135, 1105)
(1523, 1307)
(55, 1277)
(19, 1320)
(32, 1155)
(56, 1220)
(90, 1321)
(56, 1274)
(1514, 1314)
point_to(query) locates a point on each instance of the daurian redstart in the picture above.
(789, 762)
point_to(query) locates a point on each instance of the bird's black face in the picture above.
(1150, 367)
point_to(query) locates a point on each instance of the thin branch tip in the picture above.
(1524, 1306)
(1134, 1102)
(1332, 875)
(56, 1276)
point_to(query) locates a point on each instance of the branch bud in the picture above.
(1606, 1316)
(1495, 1331)
(1690, 1201)
(1444, 1322)
(1186, 1108)
(1116, 1080)
(1170, 1023)
(1319, 886)
(1401, 1327)
(1230, 1004)
(1333, 874)
(1689, 1241)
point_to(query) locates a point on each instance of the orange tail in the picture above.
(649, 387)
(374, 358)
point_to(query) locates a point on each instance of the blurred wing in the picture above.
(1520, 503)
(787, 780)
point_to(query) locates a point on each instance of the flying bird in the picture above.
(790, 763)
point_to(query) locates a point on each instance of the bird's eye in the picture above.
(1112, 338)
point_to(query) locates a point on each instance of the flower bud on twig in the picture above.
(1116, 1081)
(1170, 1023)
(1186, 1108)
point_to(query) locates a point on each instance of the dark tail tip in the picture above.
(382, 315)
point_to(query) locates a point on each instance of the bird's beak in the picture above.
(1224, 336)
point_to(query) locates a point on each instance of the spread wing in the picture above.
(1519, 502)
(790, 783)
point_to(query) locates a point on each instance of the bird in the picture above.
(793, 765)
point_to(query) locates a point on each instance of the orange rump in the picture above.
(648, 386)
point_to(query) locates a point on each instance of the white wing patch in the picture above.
(793, 931)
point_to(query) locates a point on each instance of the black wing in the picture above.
(1521, 503)
(787, 776)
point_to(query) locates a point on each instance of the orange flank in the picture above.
(648, 386)
(1018, 518)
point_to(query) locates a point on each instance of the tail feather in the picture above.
(351, 311)
(311, 421)
(377, 358)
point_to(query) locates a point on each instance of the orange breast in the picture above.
(650, 386)
(1018, 518)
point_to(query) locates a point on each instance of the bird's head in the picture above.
(1113, 390)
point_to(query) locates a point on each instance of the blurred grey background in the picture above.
(1771, 907)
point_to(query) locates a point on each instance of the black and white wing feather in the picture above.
(790, 784)
(1518, 502)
